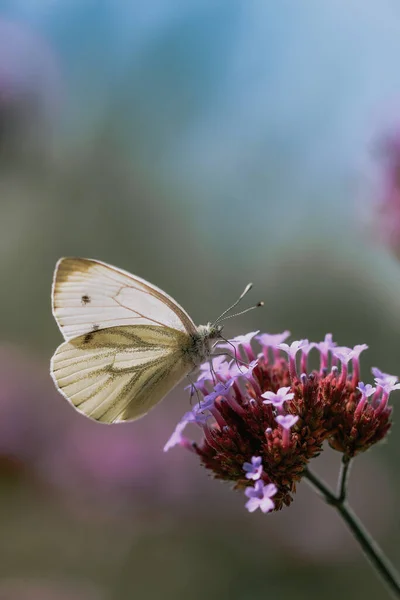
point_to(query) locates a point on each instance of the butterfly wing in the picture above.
(120, 373)
(89, 295)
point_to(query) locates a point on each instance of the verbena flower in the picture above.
(254, 468)
(262, 423)
(260, 497)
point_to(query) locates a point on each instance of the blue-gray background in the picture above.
(201, 145)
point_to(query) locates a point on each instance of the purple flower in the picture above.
(294, 347)
(206, 404)
(383, 379)
(221, 389)
(291, 351)
(243, 341)
(253, 469)
(279, 398)
(391, 387)
(197, 415)
(358, 348)
(205, 369)
(327, 345)
(307, 347)
(176, 438)
(260, 497)
(272, 340)
(343, 353)
(239, 370)
(286, 421)
(366, 390)
(224, 370)
(304, 356)
(193, 416)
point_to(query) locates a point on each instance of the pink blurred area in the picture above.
(42, 435)
(387, 215)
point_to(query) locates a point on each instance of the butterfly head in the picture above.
(213, 331)
(210, 332)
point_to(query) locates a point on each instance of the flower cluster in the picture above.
(263, 417)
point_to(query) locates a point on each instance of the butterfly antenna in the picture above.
(242, 312)
(242, 295)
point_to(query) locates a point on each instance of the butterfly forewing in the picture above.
(119, 373)
(90, 295)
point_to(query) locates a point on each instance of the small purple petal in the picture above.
(266, 505)
(343, 353)
(224, 370)
(306, 349)
(391, 387)
(272, 340)
(294, 347)
(205, 368)
(279, 398)
(327, 344)
(197, 416)
(286, 421)
(260, 496)
(221, 389)
(254, 469)
(358, 349)
(176, 437)
(366, 390)
(239, 340)
(383, 379)
(238, 370)
(252, 504)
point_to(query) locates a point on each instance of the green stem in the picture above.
(370, 548)
(343, 478)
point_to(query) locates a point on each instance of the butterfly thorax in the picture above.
(199, 348)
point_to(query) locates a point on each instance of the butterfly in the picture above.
(127, 343)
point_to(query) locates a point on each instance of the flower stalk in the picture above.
(372, 551)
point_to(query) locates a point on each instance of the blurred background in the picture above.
(200, 145)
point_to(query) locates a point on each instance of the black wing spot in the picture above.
(85, 299)
(89, 336)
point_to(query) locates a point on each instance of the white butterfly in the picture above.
(127, 342)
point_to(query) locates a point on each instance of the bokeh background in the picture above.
(201, 145)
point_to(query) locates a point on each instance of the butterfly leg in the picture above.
(193, 388)
(235, 358)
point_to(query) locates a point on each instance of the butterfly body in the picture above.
(199, 345)
(127, 342)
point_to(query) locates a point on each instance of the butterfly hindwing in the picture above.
(89, 294)
(119, 373)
